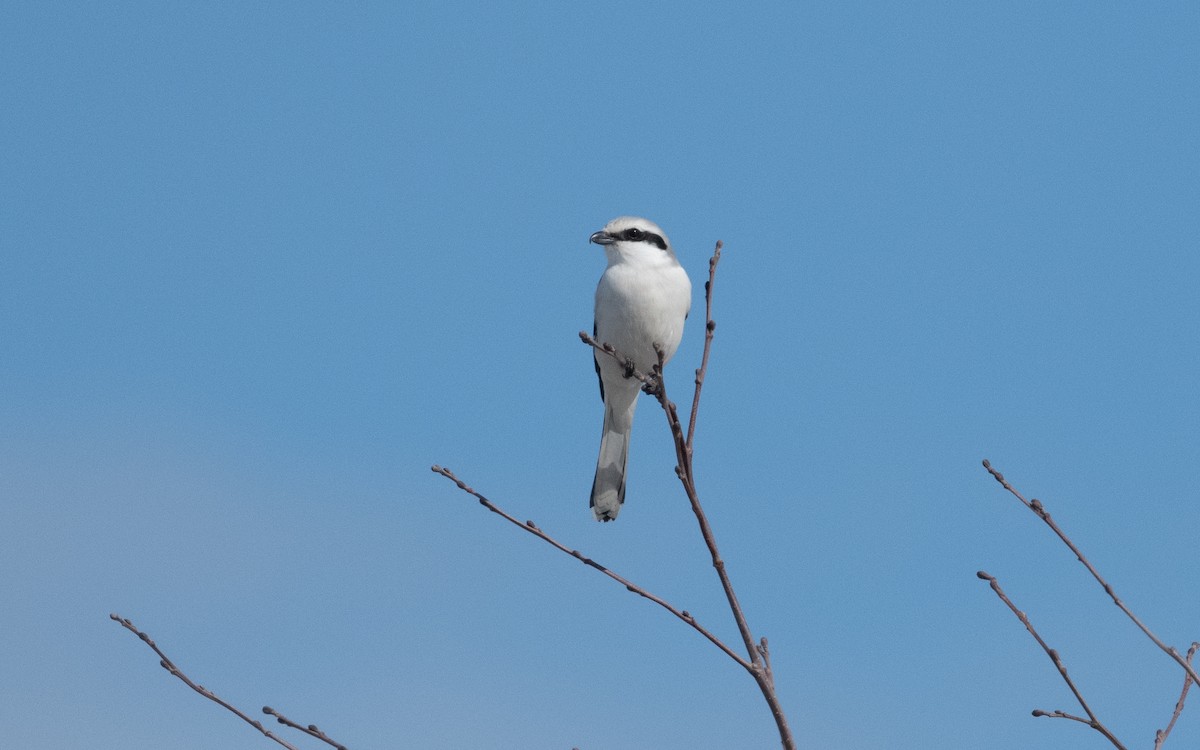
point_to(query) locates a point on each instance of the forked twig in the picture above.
(169, 665)
(1161, 735)
(533, 528)
(1091, 719)
(1036, 506)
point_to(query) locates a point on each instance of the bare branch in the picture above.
(169, 665)
(1036, 506)
(311, 730)
(1091, 720)
(1161, 735)
(533, 528)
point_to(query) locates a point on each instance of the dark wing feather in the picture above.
(596, 361)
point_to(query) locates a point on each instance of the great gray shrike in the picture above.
(642, 300)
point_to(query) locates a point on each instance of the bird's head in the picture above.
(633, 238)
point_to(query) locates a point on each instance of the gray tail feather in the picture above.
(608, 488)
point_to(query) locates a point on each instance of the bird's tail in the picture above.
(608, 488)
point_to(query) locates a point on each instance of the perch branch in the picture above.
(1091, 719)
(1036, 506)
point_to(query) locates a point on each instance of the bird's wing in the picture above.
(596, 361)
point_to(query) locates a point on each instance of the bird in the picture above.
(642, 301)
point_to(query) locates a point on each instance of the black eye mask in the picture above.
(634, 234)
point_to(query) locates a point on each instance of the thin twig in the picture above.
(169, 665)
(1036, 506)
(311, 730)
(709, 327)
(533, 528)
(1091, 719)
(1161, 735)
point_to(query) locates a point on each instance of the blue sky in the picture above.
(263, 265)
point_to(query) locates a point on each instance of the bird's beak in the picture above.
(602, 238)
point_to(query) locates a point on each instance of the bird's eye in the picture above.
(634, 234)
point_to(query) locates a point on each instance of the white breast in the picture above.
(642, 300)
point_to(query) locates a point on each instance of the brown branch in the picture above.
(533, 528)
(655, 385)
(169, 665)
(1161, 735)
(311, 730)
(1036, 506)
(1091, 719)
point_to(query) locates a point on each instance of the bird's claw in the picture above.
(653, 382)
